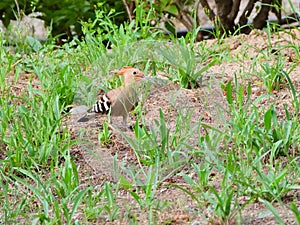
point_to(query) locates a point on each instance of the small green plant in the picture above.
(148, 189)
(223, 204)
(274, 185)
(101, 202)
(272, 75)
(110, 196)
(25, 150)
(69, 179)
(242, 122)
(144, 194)
(185, 59)
(280, 136)
(104, 135)
(44, 192)
(259, 136)
(93, 210)
(203, 172)
(294, 94)
(158, 143)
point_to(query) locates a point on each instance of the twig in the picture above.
(18, 9)
(15, 64)
(127, 10)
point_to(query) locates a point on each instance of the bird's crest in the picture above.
(123, 70)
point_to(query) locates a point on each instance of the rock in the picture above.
(79, 109)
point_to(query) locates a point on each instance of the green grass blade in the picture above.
(76, 202)
(193, 196)
(228, 90)
(296, 212)
(268, 119)
(273, 210)
(294, 93)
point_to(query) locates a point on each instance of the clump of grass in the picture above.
(184, 58)
(273, 75)
(104, 135)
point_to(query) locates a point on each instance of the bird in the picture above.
(120, 101)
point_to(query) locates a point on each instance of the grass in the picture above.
(253, 155)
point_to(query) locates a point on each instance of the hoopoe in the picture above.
(122, 100)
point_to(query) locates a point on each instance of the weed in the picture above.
(274, 185)
(158, 144)
(273, 75)
(223, 205)
(104, 135)
(203, 172)
(110, 207)
(185, 59)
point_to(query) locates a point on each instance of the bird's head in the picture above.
(130, 74)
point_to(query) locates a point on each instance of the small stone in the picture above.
(79, 109)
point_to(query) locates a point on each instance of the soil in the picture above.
(97, 162)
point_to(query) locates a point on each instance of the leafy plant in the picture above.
(22, 148)
(110, 207)
(203, 173)
(69, 179)
(185, 59)
(224, 204)
(274, 185)
(259, 136)
(104, 135)
(93, 210)
(273, 75)
(279, 134)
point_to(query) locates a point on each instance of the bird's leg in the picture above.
(125, 121)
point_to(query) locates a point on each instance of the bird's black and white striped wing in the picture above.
(101, 106)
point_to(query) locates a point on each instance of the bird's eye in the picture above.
(134, 73)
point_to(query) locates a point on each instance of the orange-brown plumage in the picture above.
(120, 101)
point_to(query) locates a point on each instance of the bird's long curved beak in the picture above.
(112, 72)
